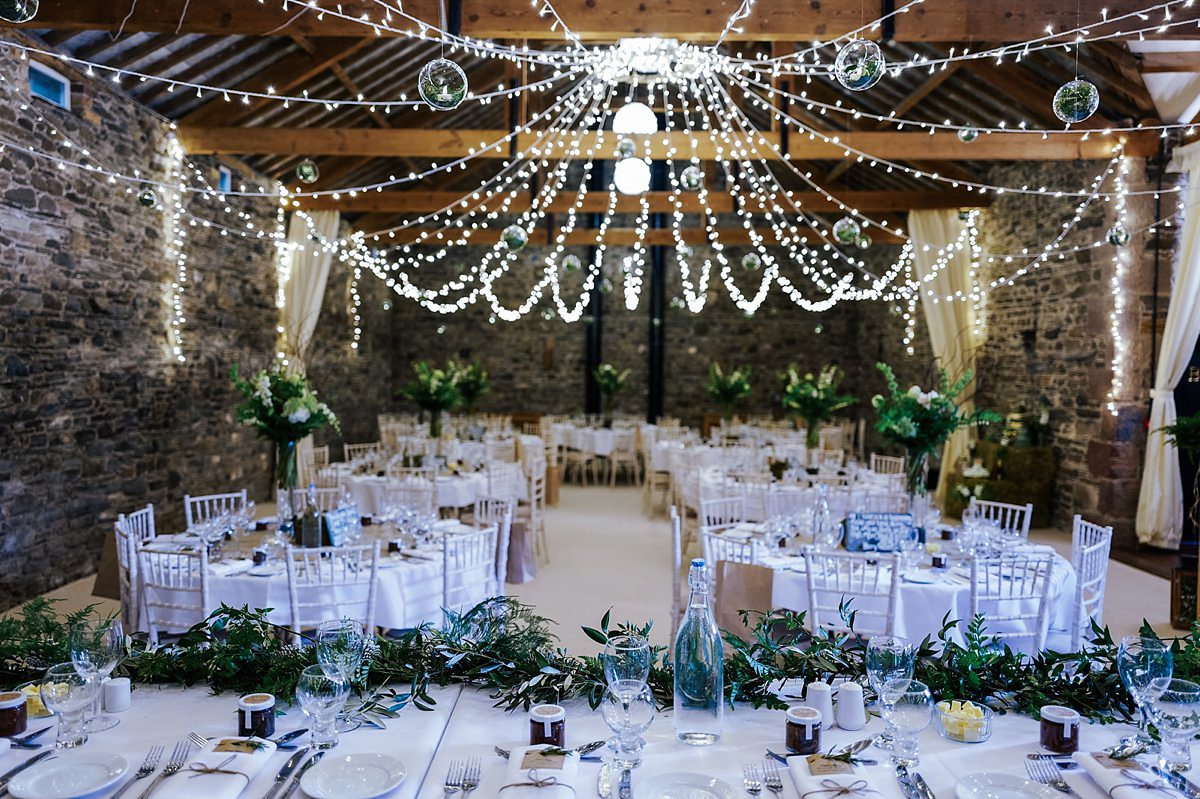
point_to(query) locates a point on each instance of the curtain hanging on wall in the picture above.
(1160, 499)
(303, 293)
(950, 323)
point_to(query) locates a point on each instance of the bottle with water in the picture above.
(699, 667)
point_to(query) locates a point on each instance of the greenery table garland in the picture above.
(506, 648)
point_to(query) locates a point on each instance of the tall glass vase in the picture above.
(435, 423)
(916, 472)
(285, 473)
(812, 435)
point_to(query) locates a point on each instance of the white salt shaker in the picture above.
(819, 695)
(851, 711)
(116, 694)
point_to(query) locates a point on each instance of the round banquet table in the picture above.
(715, 485)
(369, 491)
(464, 724)
(921, 606)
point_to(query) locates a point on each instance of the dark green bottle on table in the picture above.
(309, 529)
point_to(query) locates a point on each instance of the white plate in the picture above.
(920, 576)
(358, 776)
(266, 570)
(70, 775)
(991, 785)
(685, 785)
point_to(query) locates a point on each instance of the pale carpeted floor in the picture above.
(605, 553)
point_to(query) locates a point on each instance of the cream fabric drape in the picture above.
(303, 293)
(950, 323)
(1160, 499)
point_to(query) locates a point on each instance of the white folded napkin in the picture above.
(216, 775)
(857, 785)
(522, 782)
(230, 566)
(1137, 784)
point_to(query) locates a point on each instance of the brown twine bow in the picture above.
(201, 769)
(538, 782)
(828, 786)
(1138, 782)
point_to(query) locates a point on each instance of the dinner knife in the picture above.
(286, 772)
(312, 761)
(625, 786)
(604, 782)
(1178, 782)
(906, 783)
(7, 776)
(922, 786)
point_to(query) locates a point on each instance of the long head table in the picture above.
(464, 724)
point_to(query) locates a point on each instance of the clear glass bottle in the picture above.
(699, 658)
(310, 522)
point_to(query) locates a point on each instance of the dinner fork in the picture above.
(178, 755)
(144, 770)
(771, 778)
(453, 778)
(470, 777)
(751, 779)
(1045, 772)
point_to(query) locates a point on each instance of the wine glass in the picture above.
(97, 647)
(907, 709)
(321, 693)
(341, 647)
(889, 657)
(628, 716)
(1144, 665)
(1174, 707)
(626, 661)
(68, 692)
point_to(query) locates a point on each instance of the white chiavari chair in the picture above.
(676, 569)
(888, 464)
(173, 589)
(330, 583)
(396, 471)
(201, 509)
(467, 561)
(327, 498)
(871, 586)
(353, 452)
(1090, 545)
(315, 459)
(717, 548)
(787, 502)
(411, 494)
(881, 502)
(1013, 593)
(830, 458)
(501, 450)
(717, 515)
(504, 480)
(497, 513)
(1013, 519)
(624, 456)
(535, 508)
(130, 532)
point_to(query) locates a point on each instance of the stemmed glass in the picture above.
(889, 657)
(1175, 710)
(1145, 666)
(341, 647)
(321, 694)
(907, 710)
(628, 715)
(97, 648)
(68, 692)
(626, 661)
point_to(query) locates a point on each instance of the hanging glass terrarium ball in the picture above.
(1076, 100)
(751, 262)
(514, 237)
(147, 198)
(606, 286)
(967, 135)
(846, 230)
(626, 148)
(859, 65)
(864, 241)
(691, 178)
(571, 263)
(548, 315)
(18, 10)
(442, 84)
(678, 304)
(1117, 235)
(307, 171)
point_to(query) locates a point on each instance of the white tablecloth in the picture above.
(369, 491)
(464, 724)
(921, 607)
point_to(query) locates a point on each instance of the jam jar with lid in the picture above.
(14, 713)
(803, 730)
(1060, 729)
(548, 725)
(256, 715)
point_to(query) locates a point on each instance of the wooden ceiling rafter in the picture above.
(227, 70)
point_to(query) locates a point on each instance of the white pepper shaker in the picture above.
(851, 711)
(819, 695)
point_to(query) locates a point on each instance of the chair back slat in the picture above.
(173, 589)
(1013, 593)
(1013, 519)
(1090, 547)
(888, 464)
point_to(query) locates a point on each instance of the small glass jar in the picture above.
(803, 730)
(548, 725)
(256, 715)
(14, 713)
(938, 561)
(1060, 729)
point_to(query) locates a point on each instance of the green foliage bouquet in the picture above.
(472, 382)
(728, 388)
(283, 409)
(921, 421)
(434, 390)
(611, 381)
(813, 399)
